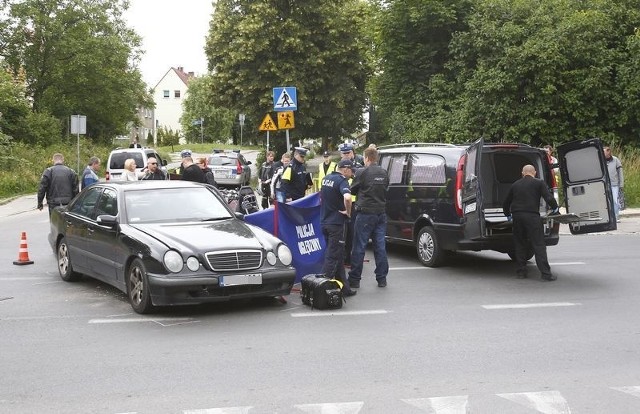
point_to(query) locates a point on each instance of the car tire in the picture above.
(65, 268)
(138, 288)
(430, 253)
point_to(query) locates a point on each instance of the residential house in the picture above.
(168, 95)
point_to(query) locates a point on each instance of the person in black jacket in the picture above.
(153, 172)
(192, 171)
(370, 185)
(58, 183)
(523, 203)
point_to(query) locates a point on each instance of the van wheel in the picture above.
(530, 254)
(429, 251)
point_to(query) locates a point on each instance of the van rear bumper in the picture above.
(501, 243)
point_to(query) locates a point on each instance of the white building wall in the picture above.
(169, 109)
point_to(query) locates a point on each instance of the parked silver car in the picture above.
(230, 169)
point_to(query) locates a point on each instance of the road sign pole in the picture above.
(288, 146)
(267, 140)
(201, 130)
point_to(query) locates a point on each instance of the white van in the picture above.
(115, 163)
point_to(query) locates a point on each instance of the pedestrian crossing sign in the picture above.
(267, 124)
(285, 99)
(286, 120)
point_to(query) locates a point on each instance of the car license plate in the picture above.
(235, 280)
(221, 174)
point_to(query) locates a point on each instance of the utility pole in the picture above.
(202, 130)
(241, 119)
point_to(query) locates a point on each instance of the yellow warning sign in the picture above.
(267, 124)
(285, 120)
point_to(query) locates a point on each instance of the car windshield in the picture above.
(166, 205)
(221, 161)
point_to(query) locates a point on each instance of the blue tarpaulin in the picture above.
(298, 225)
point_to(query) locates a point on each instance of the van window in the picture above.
(118, 159)
(427, 169)
(580, 167)
(396, 168)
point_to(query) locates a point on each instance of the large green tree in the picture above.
(218, 122)
(79, 58)
(318, 46)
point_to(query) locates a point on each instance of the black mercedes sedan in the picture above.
(167, 243)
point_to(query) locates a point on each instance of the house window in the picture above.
(176, 93)
(165, 93)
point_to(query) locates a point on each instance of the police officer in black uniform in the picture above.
(58, 183)
(335, 211)
(523, 203)
(294, 177)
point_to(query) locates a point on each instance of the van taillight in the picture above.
(459, 183)
(238, 167)
(106, 176)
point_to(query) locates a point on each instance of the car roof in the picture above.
(149, 184)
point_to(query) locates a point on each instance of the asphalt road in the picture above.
(464, 338)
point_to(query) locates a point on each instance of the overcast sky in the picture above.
(173, 34)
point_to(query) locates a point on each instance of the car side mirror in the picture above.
(107, 220)
(163, 162)
(239, 215)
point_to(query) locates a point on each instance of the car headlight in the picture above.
(271, 258)
(173, 261)
(193, 263)
(284, 254)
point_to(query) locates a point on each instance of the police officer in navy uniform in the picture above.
(294, 177)
(523, 203)
(335, 211)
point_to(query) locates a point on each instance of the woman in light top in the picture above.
(130, 173)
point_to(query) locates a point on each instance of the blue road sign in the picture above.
(285, 99)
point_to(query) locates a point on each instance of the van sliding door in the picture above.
(472, 193)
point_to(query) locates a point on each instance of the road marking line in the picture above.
(456, 404)
(547, 402)
(530, 305)
(331, 408)
(635, 391)
(410, 268)
(26, 279)
(567, 263)
(223, 410)
(338, 313)
(137, 320)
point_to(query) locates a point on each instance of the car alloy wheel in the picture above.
(429, 251)
(64, 263)
(138, 288)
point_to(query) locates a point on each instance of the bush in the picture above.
(21, 165)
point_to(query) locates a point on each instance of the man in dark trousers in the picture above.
(58, 183)
(294, 178)
(370, 185)
(523, 203)
(266, 173)
(335, 210)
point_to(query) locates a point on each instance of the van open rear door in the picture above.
(587, 190)
(471, 200)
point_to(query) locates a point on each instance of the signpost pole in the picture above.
(78, 142)
(267, 140)
(201, 130)
(288, 146)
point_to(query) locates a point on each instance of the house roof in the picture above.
(184, 76)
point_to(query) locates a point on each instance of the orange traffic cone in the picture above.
(23, 253)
